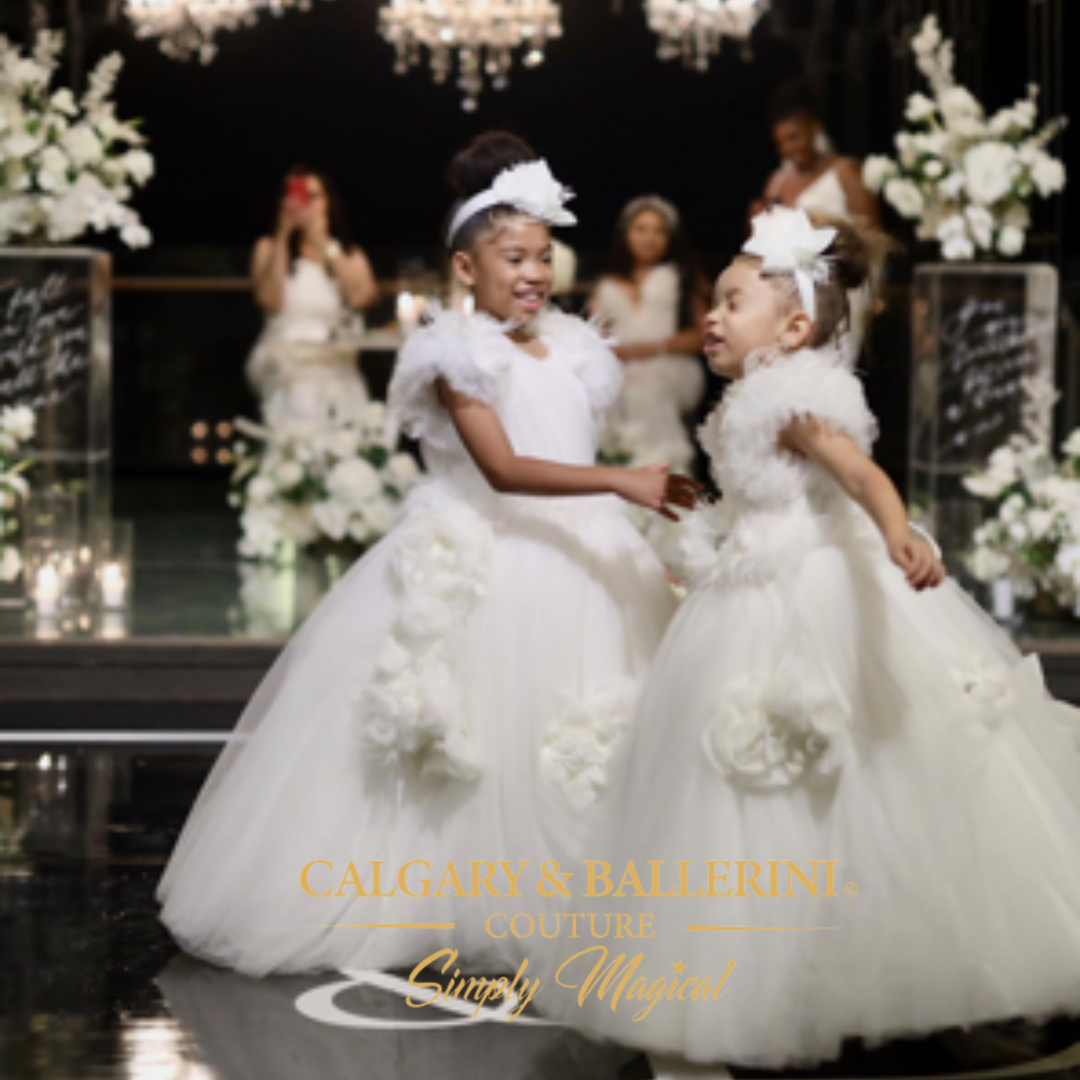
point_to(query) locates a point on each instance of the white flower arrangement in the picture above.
(65, 166)
(17, 426)
(337, 479)
(1032, 538)
(965, 178)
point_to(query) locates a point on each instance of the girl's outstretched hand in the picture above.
(653, 487)
(920, 565)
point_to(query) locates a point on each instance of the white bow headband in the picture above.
(787, 243)
(528, 187)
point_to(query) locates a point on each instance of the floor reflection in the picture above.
(92, 986)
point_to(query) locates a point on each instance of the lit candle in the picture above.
(47, 590)
(113, 585)
(113, 625)
(408, 311)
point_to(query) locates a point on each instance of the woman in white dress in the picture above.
(814, 178)
(653, 301)
(456, 696)
(311, 281)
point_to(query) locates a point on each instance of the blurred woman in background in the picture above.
(653, 300)
(311, 280)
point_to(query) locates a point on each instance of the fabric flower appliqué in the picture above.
(773, 733)
(581, 738)
(410, 709)
(986, 689)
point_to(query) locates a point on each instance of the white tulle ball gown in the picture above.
(807, 704)
(454, 698)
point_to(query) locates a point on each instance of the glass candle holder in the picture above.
(48, 568)
(115, 577)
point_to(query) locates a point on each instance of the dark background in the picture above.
(614, 121)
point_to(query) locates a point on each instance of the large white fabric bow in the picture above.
(528, 187)
(787, 243)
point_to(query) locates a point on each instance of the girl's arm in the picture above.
(485, 438)
(353, 272)
(838, 455)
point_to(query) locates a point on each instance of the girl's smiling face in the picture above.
(509, 269)
(747, 314)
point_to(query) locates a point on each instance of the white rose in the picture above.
(905, 197)
(953, 185)
(956, 245)
(981, 224)
(54, 160)
(1048, 174)
(905, 145)
(877, 170)
(1012, 508)
(934, 169)
(353, 483)
(373, 416)
(919, 107)
(1039, 522)
(403, 468)
(1011, 241)
(985, 487)
(19, 422)
(10, 563)
(958, 104)
(344, 443)
(261, 489)
(1019, 531)
(379, 514)
(1071, 446)
(139, 165)
(135, 235)
(288, 474)
(987, 565)
(22, 145)
(332, 518)
(359, 529)
(990, 169)
(63, 101)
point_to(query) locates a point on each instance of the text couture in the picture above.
(589, 970)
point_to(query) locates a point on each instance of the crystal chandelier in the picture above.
(482, 33)
(693, 29)
(187, 27)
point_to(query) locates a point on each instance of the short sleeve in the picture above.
(806, 387)
(446, 347)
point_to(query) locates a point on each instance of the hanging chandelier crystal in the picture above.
(694, 29)
(187, 27)
(482, 33)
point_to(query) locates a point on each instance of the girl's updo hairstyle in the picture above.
(472, 170)
(853, 259)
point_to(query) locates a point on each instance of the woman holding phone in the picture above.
(310, 279)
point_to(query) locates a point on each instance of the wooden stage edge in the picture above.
(196, 687)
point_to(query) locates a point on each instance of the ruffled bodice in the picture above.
(776, 505)
(549, 408)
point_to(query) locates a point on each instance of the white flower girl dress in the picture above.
(455, 697)
(807, 704)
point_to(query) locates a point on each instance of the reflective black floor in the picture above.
(91, 986)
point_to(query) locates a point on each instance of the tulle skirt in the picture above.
(566, 612)
(834, 716)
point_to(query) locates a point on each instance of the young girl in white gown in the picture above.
(422, 711)
(816, 699)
